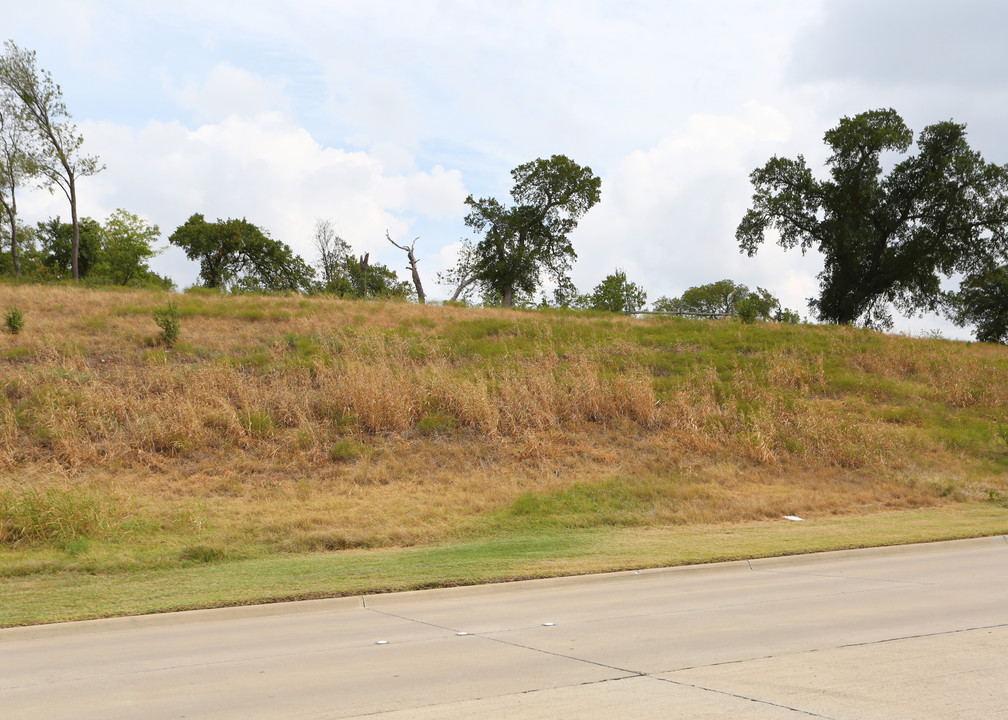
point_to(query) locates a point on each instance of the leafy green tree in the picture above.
(56, 245)
(717, 298)
(374, 280)
(666, 304)
(566, 295)
(18, 164)
(982, 300)
(237, 255)
(726, 297)
(59, 158)
(523, 242)
(617, 294)
(885, 239)
(343, 275)
(127, 244)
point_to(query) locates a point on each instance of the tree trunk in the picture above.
(416, 278)
(466, 282)
(413, 266)
(507, 297)
(74, 265)
(13, 237)
(14, 249)
(364, 268)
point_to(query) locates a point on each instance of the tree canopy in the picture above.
(235, 254)
(523, 242)
(57, 155)
(18, 165)
(982, 301)
(617, 294)
(727, 297)
(886, 239)
(56, 244)
(127, 243)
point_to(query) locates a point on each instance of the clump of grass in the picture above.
(347, 450)
(437, 424)
(256, 423)
(52, 516)
(14, 320)
(202, 554)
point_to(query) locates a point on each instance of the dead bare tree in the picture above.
(412, 265)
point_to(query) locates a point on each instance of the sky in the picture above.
(384, 115)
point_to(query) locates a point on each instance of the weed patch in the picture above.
(58, 517)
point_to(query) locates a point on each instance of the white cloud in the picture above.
(669, 213)
(230, 90)
(265, 169)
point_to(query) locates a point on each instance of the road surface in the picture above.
(910, 632)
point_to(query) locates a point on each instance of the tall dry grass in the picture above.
(322, 423)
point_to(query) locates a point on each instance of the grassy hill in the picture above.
(283, 426)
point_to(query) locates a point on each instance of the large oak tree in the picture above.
(886, 239)
(530, 239)
(235, 254)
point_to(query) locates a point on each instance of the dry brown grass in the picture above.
(305, 424)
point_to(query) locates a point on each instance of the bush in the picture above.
(747, 309)
(168, 321)
(14, 320)
(784, 315)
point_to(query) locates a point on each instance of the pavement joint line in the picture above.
(488, 636)
(533, 691)
(759, 701)
(867, 643)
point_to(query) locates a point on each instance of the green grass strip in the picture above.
(59, 596)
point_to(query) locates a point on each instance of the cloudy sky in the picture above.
(386, 114)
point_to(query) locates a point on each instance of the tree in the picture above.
(17, 164)
(237, 255)
(884, 239)
(56, 243)
(717, 298)
(617, 294)
(127, 243)
(982, 301)
(523, 242)
(374, 280)
(412, 265)
(463, 276)
(726, 297)
(60, 161)
(332, 251)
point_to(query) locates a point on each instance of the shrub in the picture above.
(168, 320)
(14, 320)
(747, 310)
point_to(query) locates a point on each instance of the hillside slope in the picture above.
(281, 424)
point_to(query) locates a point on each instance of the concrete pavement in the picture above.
(910, 632)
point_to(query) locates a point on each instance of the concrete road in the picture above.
(911, 632)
